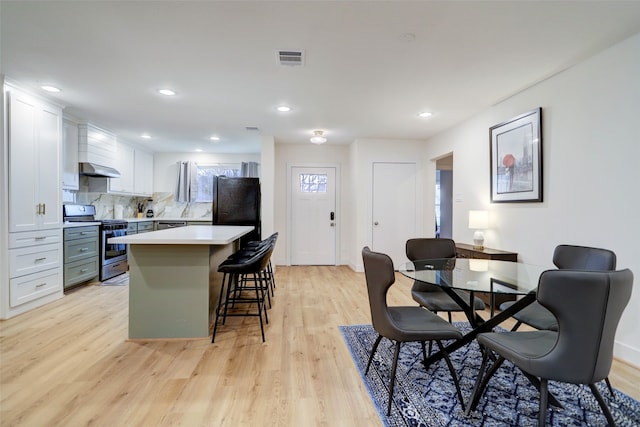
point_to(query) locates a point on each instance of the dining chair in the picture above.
(429, 296)
(401, 324)
(565, 257)
(588, 306)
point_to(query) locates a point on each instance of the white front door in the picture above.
(394, 209)
(313, 216)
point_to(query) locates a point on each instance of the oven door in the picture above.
(113, 252)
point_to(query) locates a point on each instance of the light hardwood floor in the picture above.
(70, 364)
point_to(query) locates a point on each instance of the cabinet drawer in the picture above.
(34, 259)
(33, 238)
(132, 228)
(80, 271)
(80, 249)
(34, 286)
(80, 232)
(145, 227)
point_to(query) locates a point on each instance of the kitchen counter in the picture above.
(155, 218)
(190, 235)
(174, 284)
(69, 224)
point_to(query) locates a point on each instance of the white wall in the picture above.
(590, 174)
(310, 154)
(165, 169)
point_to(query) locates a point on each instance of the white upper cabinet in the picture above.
(143, 173)
(70, 177)
(35, 134)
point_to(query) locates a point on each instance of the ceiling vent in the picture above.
(252, 128)
(291, 57)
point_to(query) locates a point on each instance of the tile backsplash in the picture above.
(163, 205)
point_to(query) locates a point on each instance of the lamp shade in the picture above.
(478, 220)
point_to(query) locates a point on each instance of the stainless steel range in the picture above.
(113, 257)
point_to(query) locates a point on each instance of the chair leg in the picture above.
(220, 303)
(453, 372)
(475, 396)
(516, 326)
(610, 387)
(449, 315)
(373, 351)
(392, 380)
(544, 399)
(603, 405)
(424, 352)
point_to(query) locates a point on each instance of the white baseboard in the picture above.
(627, 353)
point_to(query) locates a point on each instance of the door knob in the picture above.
(375, 223)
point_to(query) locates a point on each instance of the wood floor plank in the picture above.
(70, 363)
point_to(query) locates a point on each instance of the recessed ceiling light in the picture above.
(145, 136)
(198, 150)
(214, 138)
(166, 92)
(425, 114)
(51, 89)
(284, 108)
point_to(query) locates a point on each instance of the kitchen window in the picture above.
(205, 178)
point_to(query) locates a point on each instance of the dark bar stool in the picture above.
(236, 270)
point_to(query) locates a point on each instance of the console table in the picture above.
(464, 250)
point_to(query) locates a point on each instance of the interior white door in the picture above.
(313, 216)
(394, 208)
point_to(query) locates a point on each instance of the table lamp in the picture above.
(478, 220)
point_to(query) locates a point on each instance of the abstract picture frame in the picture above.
(515, 153)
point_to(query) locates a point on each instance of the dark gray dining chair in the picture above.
(430, 296)
(565, 257)
(401, 324)
(588, 306)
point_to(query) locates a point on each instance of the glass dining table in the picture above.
(477, 275)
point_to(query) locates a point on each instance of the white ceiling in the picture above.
(370, 66)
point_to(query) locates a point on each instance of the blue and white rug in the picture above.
(428, 398)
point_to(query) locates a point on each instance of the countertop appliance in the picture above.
(113, 257)
(236, 201)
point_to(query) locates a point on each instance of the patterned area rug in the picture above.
(120, 280)
(428, 398)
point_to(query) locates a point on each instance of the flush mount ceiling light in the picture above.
(214, 138)
(425, 114)
(283, 108)
(51, 89)
(166, 92)
(318, 137)
(145, 136)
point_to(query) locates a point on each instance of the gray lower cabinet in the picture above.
(145, 226)
(81, 254)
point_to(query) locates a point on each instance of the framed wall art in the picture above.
(516, 159)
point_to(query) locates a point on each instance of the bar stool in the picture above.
(235, 270)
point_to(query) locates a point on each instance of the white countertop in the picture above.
(69, 224)
(191, 235)
(155, 218)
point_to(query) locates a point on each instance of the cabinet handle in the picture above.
(82, 233)
(40, 259)
(44, 209)
(84, 270)
(41, 285)
(84, 249)
(41, 237)
(39, 209)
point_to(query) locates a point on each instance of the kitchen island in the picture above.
(173, 280)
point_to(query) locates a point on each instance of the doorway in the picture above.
(313, 221)
(444, 197)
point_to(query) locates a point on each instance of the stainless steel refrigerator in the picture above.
(236, 201)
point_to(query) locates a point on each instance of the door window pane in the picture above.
(313, 183)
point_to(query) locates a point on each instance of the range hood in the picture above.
(92, 169)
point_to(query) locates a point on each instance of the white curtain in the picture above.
(187, 182)
(249, 170)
